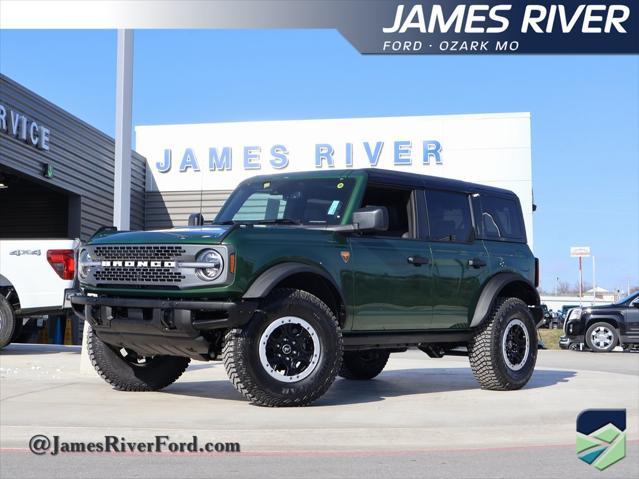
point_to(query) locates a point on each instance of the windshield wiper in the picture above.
(279, 221)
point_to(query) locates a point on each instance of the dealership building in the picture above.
(57, 172)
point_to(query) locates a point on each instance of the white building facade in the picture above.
(193, 167)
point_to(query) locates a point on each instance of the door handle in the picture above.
(476, 263)
(418, 260)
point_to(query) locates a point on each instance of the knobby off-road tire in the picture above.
(503, 351)
(127, 374)
(7, 322)
(602, 337)
(363, 364)
(290, 352)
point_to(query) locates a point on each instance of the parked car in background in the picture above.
(547, 316)
(602, 328)
(36, 278)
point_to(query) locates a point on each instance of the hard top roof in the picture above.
(380, 175)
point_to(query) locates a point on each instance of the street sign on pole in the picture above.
(580, 252)
(577, 251)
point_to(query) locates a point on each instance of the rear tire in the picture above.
(602, 337)
(363, 364)
(129, 373)
(287, 356)
(503, 351)
(7, 322)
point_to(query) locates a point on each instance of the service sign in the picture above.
(492, 149)
(19, 126)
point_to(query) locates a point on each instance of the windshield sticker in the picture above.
(340, 185)
(333, 207)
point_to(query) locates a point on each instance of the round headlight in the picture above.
(83, 270)
(215, 260)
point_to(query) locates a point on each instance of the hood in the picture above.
(604, 306)
(191, 235)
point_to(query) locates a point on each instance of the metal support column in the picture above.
(123, 129)
(123, 111)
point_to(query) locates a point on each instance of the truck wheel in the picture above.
(289, 355)
(574, 347)
(602, 337)
(503, 351)
(126, 371)
(7, 322)
(363, 364)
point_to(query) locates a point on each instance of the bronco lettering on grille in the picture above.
(139, 264)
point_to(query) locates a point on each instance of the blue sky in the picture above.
(585, 110)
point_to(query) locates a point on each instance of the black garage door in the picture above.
(31, 210)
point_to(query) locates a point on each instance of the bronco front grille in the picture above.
(148, 266)
(135, 273)
(138, 275)
(141, 252)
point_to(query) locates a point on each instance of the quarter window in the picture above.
(449, 216)
(501, 219)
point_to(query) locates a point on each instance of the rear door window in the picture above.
(501, 219)
(449, 216)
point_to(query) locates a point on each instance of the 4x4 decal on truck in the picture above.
(22, 252)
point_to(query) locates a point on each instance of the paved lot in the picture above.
(421, 415)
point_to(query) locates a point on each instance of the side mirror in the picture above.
(371, 218)
(196, 219)
(635, 304)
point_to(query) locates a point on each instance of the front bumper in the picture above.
(566, 341)
(160, 326)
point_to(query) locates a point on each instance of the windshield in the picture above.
(628, 298)
(317, 201)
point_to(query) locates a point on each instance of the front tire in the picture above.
(124, 370)
(289, 355)
(602, 337)
(7, 322)
(503, 351)
(363, 364)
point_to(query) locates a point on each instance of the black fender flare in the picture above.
(492, 290)
(270, 278)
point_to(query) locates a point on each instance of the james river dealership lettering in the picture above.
(278, 156)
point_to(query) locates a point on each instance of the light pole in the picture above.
(594, 282)
(123, 107)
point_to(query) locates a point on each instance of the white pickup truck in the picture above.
(36, 277)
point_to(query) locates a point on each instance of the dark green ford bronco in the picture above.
(306, 276)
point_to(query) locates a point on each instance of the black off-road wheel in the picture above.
(602, 337)
(125, 370)
(363, 364)
(7, 322)
(290, 352)
(503, 350)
